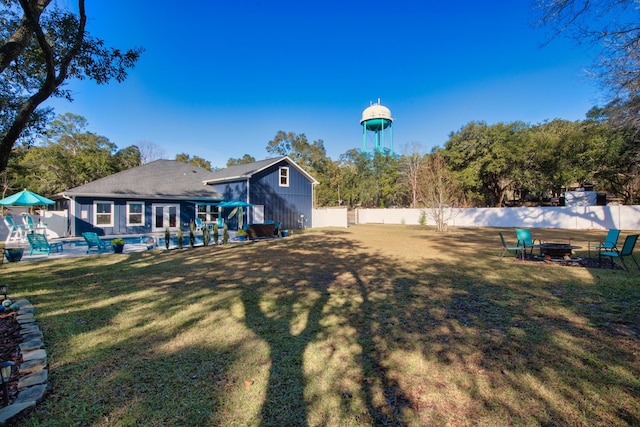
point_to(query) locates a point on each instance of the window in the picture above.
(135, 213)
(284, 176)
(103, 214)
(207, 213)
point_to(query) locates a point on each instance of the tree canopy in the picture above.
(41, 47)
(68, 156)
(612, 28)
(241, 161)
(194, 161)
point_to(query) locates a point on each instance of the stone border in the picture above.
(32, 371)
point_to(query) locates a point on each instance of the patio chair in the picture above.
(31, 226)
(94, 243)
(609, 243)
(40, 245)
(627, 250)
(506, 248)
(16, 231)
(526, 241)
(199, 224)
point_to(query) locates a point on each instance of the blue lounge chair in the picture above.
(94, 243)
(627, 250)
(506, 248)
(525, 240)
(609, 243)
(40, 245)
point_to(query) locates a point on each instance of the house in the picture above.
(167, 193)
(278, 189)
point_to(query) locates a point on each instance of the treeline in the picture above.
(488, 165)
(479, 165)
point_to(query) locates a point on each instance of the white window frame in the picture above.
(286, 176)
(129, 223)
(111, 213)
(165, 207)
(209, 214)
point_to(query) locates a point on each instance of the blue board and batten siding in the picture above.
(291, 205)
(85, 221)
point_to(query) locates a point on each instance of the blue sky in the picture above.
(219, 79)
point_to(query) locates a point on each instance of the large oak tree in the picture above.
(41, 47)
(612, 29)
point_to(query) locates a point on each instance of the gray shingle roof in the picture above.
(247, 170)
(158, 179)
(241, 171)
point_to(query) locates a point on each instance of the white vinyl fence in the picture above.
(565, 217)
(56, 222)
(329, 217)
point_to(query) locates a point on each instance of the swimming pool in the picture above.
(150, 241)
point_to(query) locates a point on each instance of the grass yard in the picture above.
(371, 325)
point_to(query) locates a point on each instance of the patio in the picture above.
(76, 247)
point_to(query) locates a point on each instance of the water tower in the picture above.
(376, 127)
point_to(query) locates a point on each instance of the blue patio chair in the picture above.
(94, 243)
(40, 245)
(506, 248)
(525, 240)
(199, 224)
(609, 243)
(627, 250)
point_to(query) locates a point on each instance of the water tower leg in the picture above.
(364, 138)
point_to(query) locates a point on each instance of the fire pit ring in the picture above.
(557, 250)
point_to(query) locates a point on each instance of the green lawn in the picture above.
(371, 325)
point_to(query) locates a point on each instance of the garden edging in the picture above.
(32, 371)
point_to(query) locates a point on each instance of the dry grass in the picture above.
(371, 325)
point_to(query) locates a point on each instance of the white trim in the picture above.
(95, 213)
(165, 219)
(287, 176)
(252, 173)
(211, 212)
(128, 214)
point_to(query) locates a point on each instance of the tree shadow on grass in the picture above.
(486, 342)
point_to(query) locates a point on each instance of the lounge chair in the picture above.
(506, 248)
(31, 226)
(627, 250)
(94, 243)
(16, 231)
(40, 245)
(199, 224)
(525, 240)
(609, 243)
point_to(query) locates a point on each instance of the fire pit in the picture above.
(557, 250)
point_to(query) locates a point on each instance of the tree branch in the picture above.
(21, 37)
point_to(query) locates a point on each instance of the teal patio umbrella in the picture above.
(237, 206)
(26, 198)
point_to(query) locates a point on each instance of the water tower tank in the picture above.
(376, 122)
